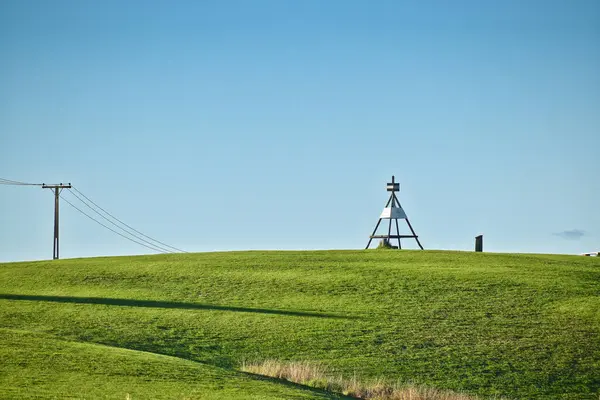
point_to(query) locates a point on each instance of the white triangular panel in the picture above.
(393, 213)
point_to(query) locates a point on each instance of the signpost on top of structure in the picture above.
(393, 211)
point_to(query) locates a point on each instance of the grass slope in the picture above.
(523, 326)
(37, 366)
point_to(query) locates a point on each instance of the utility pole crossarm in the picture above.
(59, 186)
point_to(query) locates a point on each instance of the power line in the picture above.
(110, 229)
(118, 227)
(150, 244)
(11, 182)
(4, 181)
(123, 223)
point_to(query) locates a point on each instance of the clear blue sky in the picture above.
(227, 125)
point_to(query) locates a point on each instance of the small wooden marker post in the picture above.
(479, 243)
(393, 211)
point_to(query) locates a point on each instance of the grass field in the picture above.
(181, 326)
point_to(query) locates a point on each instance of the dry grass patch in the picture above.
(316, 375)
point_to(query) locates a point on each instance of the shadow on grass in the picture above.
(166, 304)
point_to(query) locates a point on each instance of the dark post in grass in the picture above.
(479, 243)
(56, 189)
(393, 211)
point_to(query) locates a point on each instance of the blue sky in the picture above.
(229, 125)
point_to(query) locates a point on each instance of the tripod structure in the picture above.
(393, 211)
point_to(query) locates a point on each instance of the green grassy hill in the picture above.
(180, 326)
(40, 366)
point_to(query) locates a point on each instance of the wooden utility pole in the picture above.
(57, 189)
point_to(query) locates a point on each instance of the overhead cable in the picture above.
(123, 223)
(110, 229)
(119, 227)
(17, 183)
